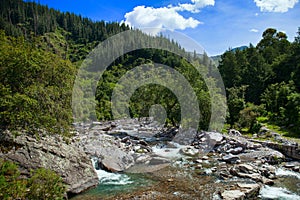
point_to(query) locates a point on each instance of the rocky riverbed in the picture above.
(211, 166)
(139, 159)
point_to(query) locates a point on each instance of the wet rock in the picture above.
(235, 151)
(230, 158)
(105, 147)
(205, 158)
(250, 190)
(267, 181)
(150, 164)
(189, 151)
(290, 165)
(267, 170)
(296, 168)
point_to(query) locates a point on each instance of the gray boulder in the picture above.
(235, 151)
(112, 154)
(50, 152)
(230, 158)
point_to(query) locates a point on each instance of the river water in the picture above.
(286, 187)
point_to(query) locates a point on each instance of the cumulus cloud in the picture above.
(195, 6)
(275, 5)
(254, 30)
(166, 17)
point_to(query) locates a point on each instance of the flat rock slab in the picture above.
(233, 195)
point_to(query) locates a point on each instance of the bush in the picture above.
(43, 184)
(248, 118)
(11, 187)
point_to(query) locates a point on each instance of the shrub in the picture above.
(43, 184)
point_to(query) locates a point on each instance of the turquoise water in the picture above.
(119, 184)
(111, 184)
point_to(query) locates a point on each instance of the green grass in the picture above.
(285, 133)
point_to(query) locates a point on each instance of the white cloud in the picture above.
(196, 6)
(254, 30)
(166, 17)
(275, 5)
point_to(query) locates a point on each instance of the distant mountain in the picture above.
(241, 48)
(216, 59)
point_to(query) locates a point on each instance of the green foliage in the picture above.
(248, 118)
(148, 95)
(271, 71)
(35, 87)
(283, 101)
(11, 187)
(236, 103)
(43, 184)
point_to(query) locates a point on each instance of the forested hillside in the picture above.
(41, 50)
(264, 81)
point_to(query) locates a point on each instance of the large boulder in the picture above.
(51, 152)
(114, 155)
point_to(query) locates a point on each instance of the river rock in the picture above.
(113, 156)
(230, 158)
(245, 168)
(251, 190)
(290, 164)
(267, 181)
(234, 132)
(235, 151)
(189, 151)
(51, 152)
(214, 137)
(233, 195)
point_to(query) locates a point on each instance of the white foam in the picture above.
(268, 192)
(283, 172)
(107, 178)
(172, 153)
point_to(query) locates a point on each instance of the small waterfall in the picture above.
(107, 178)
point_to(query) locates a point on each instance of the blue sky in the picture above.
(215, 24)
